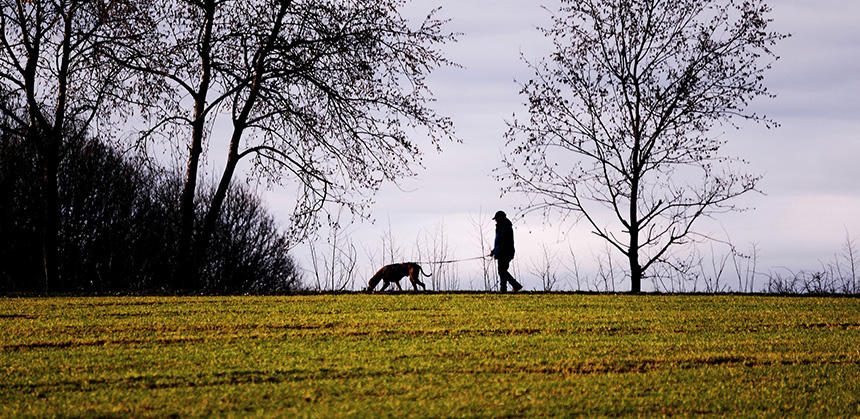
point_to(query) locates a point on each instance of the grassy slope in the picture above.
(431, 355)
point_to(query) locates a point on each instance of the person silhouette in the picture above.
(503, 251)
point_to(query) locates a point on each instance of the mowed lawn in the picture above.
(430, 355)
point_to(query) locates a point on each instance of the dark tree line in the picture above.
(53, 84)
(116, 230)
(321, 96)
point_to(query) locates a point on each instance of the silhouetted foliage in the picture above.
(60, 86)
(837, 276)
(247, 252)
(20, 247)
(117, 232)
(320, 95)
(624, 118)
(112, 229)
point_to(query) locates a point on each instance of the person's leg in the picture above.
(503, 274)
(510, 278)
(516, 286)
(506, 276)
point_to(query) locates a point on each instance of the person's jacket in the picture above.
(504, 244)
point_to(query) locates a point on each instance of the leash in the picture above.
(450, 261)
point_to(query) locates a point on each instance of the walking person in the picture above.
(503, 251)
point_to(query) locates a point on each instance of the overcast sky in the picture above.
(810, 163)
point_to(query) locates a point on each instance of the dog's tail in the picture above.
(420, 269)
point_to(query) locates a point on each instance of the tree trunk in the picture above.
(52, 139)
(239, 125)
(218, 200)
(633, 250)
(50, 224)
(185, 270)
(636, 172)
(635, 273)
(633, 259)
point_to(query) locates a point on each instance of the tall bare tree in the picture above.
(433, 248)
(181, 57)
(544, 267)
(334, 263)
(319, 94)
(624, 118)
(50, 63)
(482, 225)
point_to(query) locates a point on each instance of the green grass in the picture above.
(430, 355)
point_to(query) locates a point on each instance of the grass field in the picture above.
(430, 355)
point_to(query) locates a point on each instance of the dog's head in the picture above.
(374, 281)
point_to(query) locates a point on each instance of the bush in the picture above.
(118, 230)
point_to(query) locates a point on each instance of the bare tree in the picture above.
(677, 274)
(745, 267)
(334, 265)
(607, 271)
(544, 268)
(392, 252)
(784, 281)
(434, 247)
(51, 63)
(837, 276)
(320, 95)
(846, 264)
(624, 116)
(481, 223)
(717, 269)
(573, 268)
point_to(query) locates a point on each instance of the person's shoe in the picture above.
(517, 287)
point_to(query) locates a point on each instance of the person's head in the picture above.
(500, 215)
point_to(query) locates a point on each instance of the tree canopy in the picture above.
(625, 117)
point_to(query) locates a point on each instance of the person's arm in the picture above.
(495, 243)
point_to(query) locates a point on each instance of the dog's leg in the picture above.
(413, 278)
(418, 277)
(398, 285)
(384, 286)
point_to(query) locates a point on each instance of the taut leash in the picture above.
(451, 261)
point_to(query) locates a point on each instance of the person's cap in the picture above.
(499, 214)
